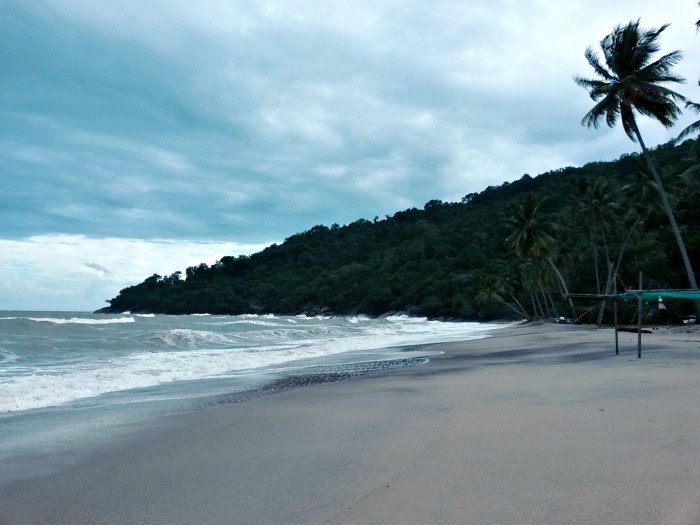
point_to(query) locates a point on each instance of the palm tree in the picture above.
(494, 289)
(536, 278)
(533, 235)
(596, 203)
(629, 83)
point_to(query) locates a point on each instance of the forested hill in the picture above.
(458, 260)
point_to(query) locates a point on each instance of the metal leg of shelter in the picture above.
(617, 343)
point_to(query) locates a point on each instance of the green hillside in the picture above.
(457, 260)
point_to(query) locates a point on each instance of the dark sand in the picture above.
(538, 424)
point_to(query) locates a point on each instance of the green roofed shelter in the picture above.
(639, 296)
(656, 294)
(647, 295)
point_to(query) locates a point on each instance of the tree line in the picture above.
(509, 251)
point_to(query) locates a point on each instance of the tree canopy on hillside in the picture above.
(458, 259)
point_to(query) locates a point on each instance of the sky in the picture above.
(145, 137)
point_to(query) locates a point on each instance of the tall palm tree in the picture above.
(536, 278)
(597, 204)
(495, 285)
(533, 235)
(629, 83)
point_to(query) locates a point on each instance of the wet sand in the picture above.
(536, 424)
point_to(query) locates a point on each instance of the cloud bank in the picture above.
(239, 122)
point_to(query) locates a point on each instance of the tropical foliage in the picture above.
(506, 252)
(630, 82)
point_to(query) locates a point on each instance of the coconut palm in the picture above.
(533, 235)
(494, 289)
(629, 83)
(597, 204)
(536, 277)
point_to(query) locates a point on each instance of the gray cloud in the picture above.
(248, 122)
(100, 270)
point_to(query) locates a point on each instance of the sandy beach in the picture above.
(539, 424)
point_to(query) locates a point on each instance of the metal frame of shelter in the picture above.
(638, 295)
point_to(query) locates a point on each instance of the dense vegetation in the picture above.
(506, 252)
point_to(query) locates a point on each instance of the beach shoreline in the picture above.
(538, 423)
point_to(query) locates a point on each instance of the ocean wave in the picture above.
(183, 349)
(252, 322)
(141, 370)
(188, 338)
(7, 356)
(357, 319)
(74, 320)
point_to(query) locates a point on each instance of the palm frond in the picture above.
(599, 68)
(596, 88)
(692, 105)
(607, 108)
(690, 130)
(654, 91)
(660, 69)
(629, 124)
(646, 45)
(632, 80)
(662, 108)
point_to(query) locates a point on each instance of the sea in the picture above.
(69, 380)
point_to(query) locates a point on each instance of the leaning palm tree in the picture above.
(494, 289)
(533, 235)
(597, 204)
(629, 83)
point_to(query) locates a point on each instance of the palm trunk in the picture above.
(534, 305)
(554, 308)
(546, 306)
(521, 313)
(539, 303)
(524, 312)
(605, 246)
(563, 286)
(608, 285)
(669, 212)
(595, 262)
(624, 247)
(667, 208)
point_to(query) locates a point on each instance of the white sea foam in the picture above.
(141, 370)
(356, 319)
(7, 356)
(188, 338)
(255, 322)
(195, 350)
(75, 320)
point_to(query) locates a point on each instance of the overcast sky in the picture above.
(144, 137)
